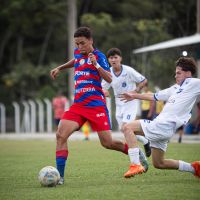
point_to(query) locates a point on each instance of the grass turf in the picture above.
(93, 173)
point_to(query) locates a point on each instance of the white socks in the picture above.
(142, 139)
(134, 155)
(186, 167)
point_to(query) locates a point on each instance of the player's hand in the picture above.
(128, 96)
(54, 72)
(92, 59)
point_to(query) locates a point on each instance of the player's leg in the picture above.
(160, 162)
(146, 144)
(108, 142)
(129, 115)
(120, 117)
(100, 122)
(133, 151)
(65, 129)
(143, 140)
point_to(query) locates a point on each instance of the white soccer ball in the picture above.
(49, 176)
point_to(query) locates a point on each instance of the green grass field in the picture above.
(92, 173)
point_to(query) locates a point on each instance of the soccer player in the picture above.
(125, 79)
(180, 99)
(90, 67)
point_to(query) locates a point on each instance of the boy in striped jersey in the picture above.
(90, 67)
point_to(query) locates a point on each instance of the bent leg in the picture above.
(160, 162)
(135, 126)
(130, 131)
(108, 142)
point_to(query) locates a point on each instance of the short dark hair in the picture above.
(83, 32)
(113, 51)
(187, 64)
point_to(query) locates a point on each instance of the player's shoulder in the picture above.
(193, 80)
(190, 82)
(193, 83)
(99, 53)
(126, 67)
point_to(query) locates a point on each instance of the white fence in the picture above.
(31, 116)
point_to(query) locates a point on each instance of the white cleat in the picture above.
(61, 181)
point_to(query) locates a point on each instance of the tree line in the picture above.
(34, 39)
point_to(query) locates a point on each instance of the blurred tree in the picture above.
(34, 38)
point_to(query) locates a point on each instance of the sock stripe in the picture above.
(62, 153)
(126, 148)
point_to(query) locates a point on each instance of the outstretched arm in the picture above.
(103, 73)
(128, 96)
(54, 72)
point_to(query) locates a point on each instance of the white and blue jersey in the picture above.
(124, 82)
(179, 101)
(176, 112)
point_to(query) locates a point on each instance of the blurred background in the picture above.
(37, 36)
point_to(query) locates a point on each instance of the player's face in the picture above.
(181, 75)
(115, 61)
(84, 45)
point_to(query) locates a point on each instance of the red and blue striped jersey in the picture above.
(88, 90)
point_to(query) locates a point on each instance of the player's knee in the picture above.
(60, 137)
(107, 144)
(158, 165)
(126, 129)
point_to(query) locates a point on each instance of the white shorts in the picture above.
(158, 133)
(126, 113)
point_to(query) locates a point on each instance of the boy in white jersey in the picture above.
(125, 79)
(180, 99)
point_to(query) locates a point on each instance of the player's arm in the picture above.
(141, 85)
(128, 96)
(54, 72)
(103, 73)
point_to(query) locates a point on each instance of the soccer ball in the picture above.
(49, 176)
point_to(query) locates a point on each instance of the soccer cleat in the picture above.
(143, 161)
(196, 166)
(61, 181)
(147, 149)
(133, 170)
